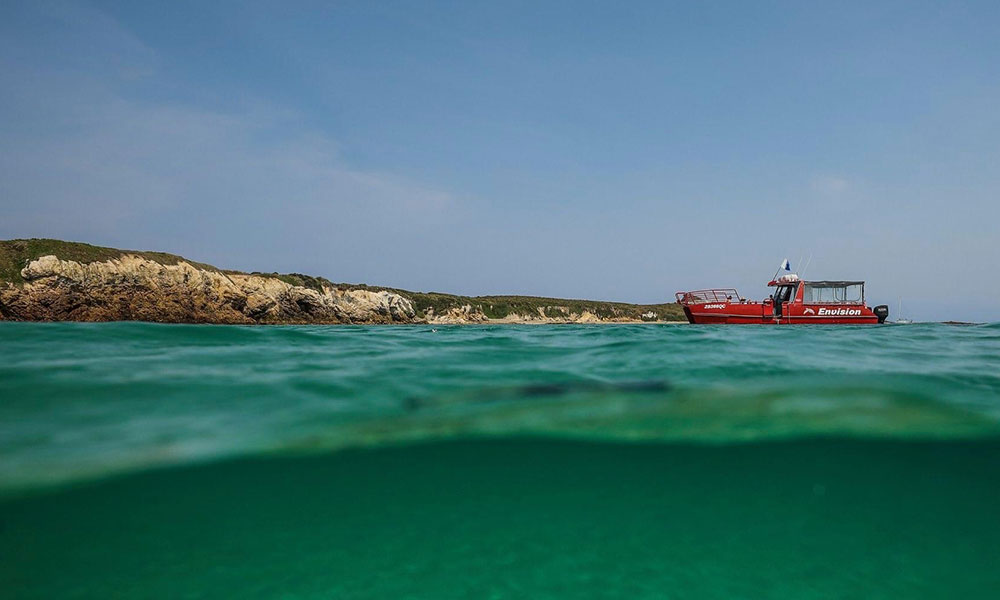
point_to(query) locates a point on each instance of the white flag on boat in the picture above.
(786, 265)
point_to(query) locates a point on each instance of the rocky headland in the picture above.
(52, 280)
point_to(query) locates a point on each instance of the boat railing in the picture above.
(712, 295)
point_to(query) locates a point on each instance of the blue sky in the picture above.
(567, 149)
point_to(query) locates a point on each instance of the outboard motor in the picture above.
(882, 312)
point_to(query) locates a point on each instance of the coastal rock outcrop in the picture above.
(468, 314)
(135, 288)
(465, 314)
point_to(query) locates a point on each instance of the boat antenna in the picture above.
(802, 275)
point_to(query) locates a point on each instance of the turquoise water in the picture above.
(647, 461)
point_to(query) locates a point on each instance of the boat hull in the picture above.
(763, 314)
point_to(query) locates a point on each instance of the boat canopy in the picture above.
(834, 292)
(833, 283)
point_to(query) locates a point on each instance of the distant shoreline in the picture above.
(55, 280)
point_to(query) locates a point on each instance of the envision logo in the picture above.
(838, 312)
(808, 311)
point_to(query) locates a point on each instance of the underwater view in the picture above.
(646, 461)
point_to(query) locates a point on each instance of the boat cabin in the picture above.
(789, 289)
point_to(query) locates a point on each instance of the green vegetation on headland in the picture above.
(15, 255)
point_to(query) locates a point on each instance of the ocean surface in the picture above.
(600, 461)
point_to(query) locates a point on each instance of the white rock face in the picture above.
(358, 303)
(458, 315)
(136, 288)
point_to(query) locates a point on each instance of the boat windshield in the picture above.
(840, 292)
(785, 293)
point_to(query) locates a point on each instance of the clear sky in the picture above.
(610, 150)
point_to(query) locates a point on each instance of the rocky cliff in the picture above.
(135, 288)
(52, 280)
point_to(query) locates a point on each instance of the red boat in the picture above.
(794, 301)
